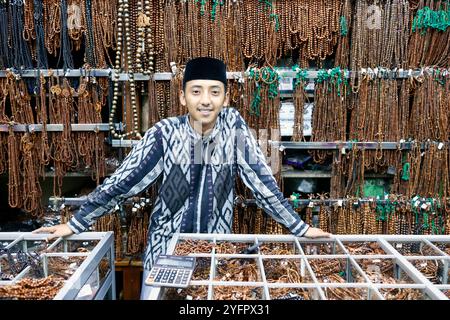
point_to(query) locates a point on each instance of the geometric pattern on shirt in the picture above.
(175, 189)
(222, 184)
(221, 221)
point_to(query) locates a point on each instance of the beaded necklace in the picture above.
(41, 53)
(22, 56)
(5, 54)
(123, 24)
(64, 38)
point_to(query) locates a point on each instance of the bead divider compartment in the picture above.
(439, 266)
(48, 266)
(351, 293)
(181, 294)
(443, 246)
(22, 244)
(320, 247)
(364, 289)
(419, 292)
(378, 268)
(67, 245)
(295, 268)
(104, 249)
(250, 291)
(314, 251)
(235, 247)
(202, 251)
(416, 248)
(237, 269)
(430, 290)
(363, 248)
(336, 270)
(268, 248)
(276, 290)
(198, 255)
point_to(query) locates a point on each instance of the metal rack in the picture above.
(283, 72)
(305, 250)
(343, 145)
(103, 73)
(100, 127)
(56, 202)
(93, 279)
(74, 201)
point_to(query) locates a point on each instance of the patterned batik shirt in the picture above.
(197, 177)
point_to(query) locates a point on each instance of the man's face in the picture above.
(204, 100)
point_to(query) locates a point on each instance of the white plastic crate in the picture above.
(402, 254)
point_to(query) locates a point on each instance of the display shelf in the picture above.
(282, 72)
(75, 127)
(78, 201)
(83, 262)
(315, 174)
(360, 267)
(343, 145)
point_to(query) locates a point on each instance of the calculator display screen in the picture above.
(174, 263)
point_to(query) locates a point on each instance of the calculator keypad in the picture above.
(169, 277)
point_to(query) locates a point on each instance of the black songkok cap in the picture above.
(205, 68)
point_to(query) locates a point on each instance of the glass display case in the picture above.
(78, 267)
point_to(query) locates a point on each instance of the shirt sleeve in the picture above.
(140, 168)
(258, 177)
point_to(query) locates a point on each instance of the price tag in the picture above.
(440, 146)
(339, 203)
(311, 204)
(286, 84)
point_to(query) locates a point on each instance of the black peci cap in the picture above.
(205, 68)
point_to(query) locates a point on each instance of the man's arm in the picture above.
(258, 177)
(142, 166)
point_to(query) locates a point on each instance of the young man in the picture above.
(198, 156)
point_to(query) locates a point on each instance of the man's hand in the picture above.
(316, 233)
(60, 230)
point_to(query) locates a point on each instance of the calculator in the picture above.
(171, 271)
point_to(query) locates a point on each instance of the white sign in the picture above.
(287, 117)
(286, 84)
